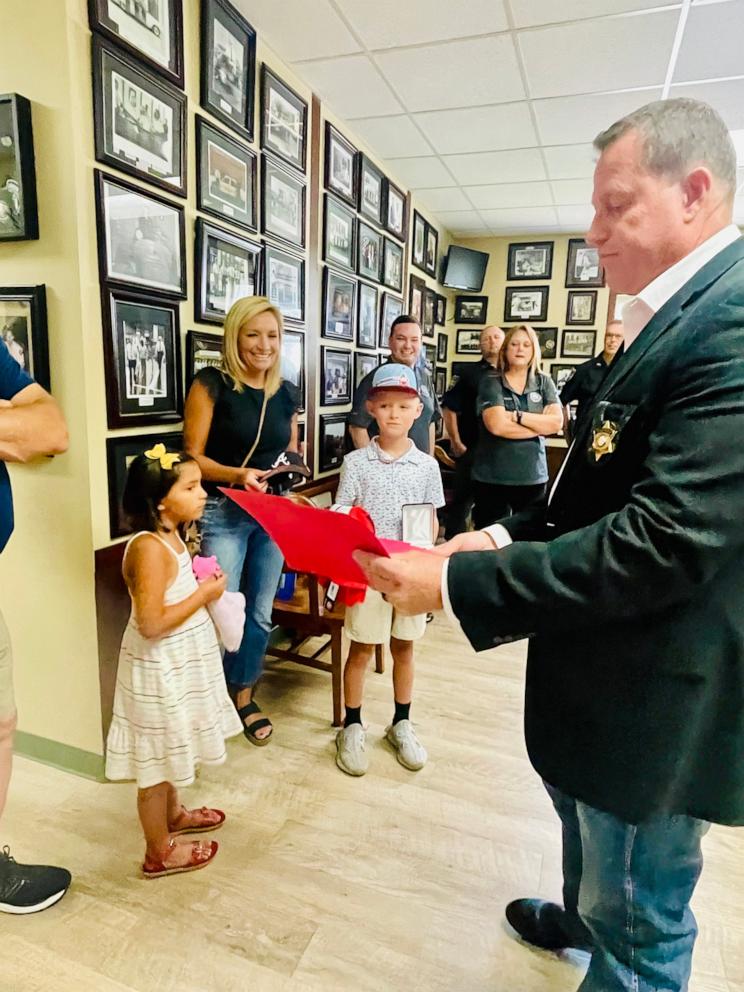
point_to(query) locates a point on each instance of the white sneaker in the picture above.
(351, 754)
(410, 751)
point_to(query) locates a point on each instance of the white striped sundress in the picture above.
(172, 711)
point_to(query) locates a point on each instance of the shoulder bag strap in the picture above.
(258, 433)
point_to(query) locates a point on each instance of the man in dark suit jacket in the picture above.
(629, 581)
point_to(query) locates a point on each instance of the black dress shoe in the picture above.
(546, 925)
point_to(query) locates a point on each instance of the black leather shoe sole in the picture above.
(542, 924)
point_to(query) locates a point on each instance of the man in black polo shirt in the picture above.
(461, 421)
(586, 380)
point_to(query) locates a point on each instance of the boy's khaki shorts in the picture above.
(374, 620)
(7, 700)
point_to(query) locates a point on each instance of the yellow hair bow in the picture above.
(167, 459)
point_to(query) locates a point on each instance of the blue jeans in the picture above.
(627, 889)
(253, 565)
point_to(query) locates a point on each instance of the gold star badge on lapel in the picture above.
(603, 439)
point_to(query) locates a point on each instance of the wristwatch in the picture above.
(519, 416)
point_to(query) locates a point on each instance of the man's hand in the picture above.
(474, 540)
(410, 582)
(457, 448)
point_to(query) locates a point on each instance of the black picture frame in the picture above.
(227, 266)
(392, 265)
(146, 250)
(583, 268)
(336, 383)
(293, 361)
(19, 218)
(526, 304)
(429, 352)
(416, 289)
(339, 233)
(203, 350)
(139, 119)
(120, 451)
(339, 303)
(578, 301)
(530, 260)
(341, 175)
(467, 342)
(24, 331)
(418, 241)
(332, 440)
(548, 340)
(430, 307)
(285, 190)
(369, 252)
(396, 211)
(432, 250)
(282, 110)
(391, 308)
(560, 373)
(440, 317)
(442, 347)
(228, 66)
(368, 304)
(471, 309)
(440, 382)
(226, 177)
(364, 363)
(578, 344)
(284, 281)
(146, 40)
(371, 190)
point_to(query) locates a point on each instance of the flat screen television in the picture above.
(464, 268)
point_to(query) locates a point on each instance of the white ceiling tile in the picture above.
(576, 218)
(481, 129)
(516, 218)
(390, 23)
(391, 137)
(510, 195)
(459, 74)
(727, 98)
(423, 172)
(713, 43)
(352, 86)
(572, 119)
(496, 167)
(740, 181)
(572, 191)
(462, 221)
(296, 29)
(570, 161)
(610, 54)
(739, 211)
(444, 199)
(528, 13)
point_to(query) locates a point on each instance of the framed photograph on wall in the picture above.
(471, 309)
(139, 120)
(23, 329)
(228, 65)
(430, 354)
(583, 267)
(293, 361)
(560, 374)
(526, 304)
(441, 311)
(532, 260)
(442, 346)
(432, 250)
(282, 203)
(468, 342)
(440, 382)
(392, 267)
(18, 212)
(141, 237)
(430, 308)
(120, 453)
(418, 249)
(395, 210)
(416, 287)
(203, 350)
(283, 120)
(392, 307)
(226, 176)
(548, 340)
(339, 292)
(142, 353)
(581, 307)
(340, 165)
(366, 336)
(369, 252)
(332, 440)
(370, 191)
(363, 365)
(339, 228)
(153, 32)
(284, 281)
(336, 371)
(227, 267)
(578, 344)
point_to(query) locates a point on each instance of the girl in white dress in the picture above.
(172, 711)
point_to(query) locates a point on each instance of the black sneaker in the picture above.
(29, 888)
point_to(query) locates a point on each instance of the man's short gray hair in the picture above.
(677, 136)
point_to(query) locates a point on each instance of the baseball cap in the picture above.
(394, 376)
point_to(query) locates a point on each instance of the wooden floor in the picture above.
(395, 881)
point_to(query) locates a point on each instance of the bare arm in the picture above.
(359, 436)
(549, 421)
(294, 435)
(432, 438)
(31, 424)
(501, 423)
(453, 431)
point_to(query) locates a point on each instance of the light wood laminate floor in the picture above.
(395, 881)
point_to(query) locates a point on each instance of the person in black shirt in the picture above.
(462, 423)
(586, 380)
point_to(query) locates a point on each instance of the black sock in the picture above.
(353, 715)
(401, 712)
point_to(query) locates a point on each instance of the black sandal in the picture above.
(250, 730)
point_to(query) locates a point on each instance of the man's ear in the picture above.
(696, 188)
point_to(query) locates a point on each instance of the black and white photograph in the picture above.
(471, 309)
(395, 208)
(560, 374)
(430, 353)
(363, 365)
(339, 228)
(369, 252)
(583, 267)
(340, 165)
(338, 305)
(366, 336)
(392, 266)
(142, 351)
(331, 440)
(227, 267)
(530, 261)
(293, 361)
(18, 213)
(284, 277)
(578, 344)
(150, 29)
(336, 371)
(203, 350)
(370, 190)
(440, 382)
(228, 65)
(282, 203)
(226, 176)
(468, 342)
(283, 120)
(441, 311)
(140, 120)
(23, 329)
(120, 453)
(430, 307)
(432, 250)
(442, 346)
(141, 238)
(418, 248)
(416, 287)
(581, 307)
(525, 305)
(392, 307)
(548, 340)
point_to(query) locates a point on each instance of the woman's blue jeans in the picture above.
(253, 565)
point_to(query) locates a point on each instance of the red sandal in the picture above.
(203, 829)
(202, 852)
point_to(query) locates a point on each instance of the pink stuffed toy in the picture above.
(227, 612)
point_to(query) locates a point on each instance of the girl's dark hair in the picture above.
(147, 483)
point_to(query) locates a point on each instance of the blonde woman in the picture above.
(223, 424)
(518, 406)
